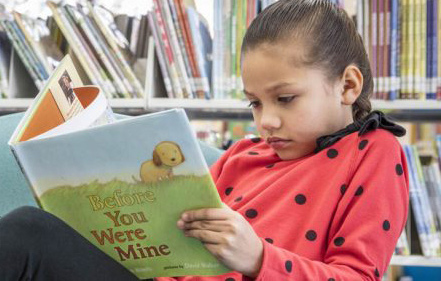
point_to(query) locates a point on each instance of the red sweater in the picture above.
(332, 215)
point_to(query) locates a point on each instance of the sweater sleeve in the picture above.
(366, 225)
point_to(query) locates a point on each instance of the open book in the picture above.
(121, 184)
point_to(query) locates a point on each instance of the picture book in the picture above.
(122, 184)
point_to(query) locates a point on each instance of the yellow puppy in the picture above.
(166, 155)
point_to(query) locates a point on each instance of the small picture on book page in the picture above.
(64, 95)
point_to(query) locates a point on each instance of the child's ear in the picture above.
(352, 84)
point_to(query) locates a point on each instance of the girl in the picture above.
(322, 195)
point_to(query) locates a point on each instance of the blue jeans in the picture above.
(35, 245)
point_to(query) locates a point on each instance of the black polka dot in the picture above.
(399, 169)
(288, 266)
(359, 191)
(311, 235)
(343, 189)
(331, 279)
(269, 166)
(339, 241)
(386, 225)
(228, 190)
(253, 153)
(230, 279)
(256, 140)
(332, 153)
(377, 273)
(269, 240)
(251, 213)
(238, 199)
(300, 199)
(362, 144)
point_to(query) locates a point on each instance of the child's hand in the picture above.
(227, 235)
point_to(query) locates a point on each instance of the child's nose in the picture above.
(270, 119)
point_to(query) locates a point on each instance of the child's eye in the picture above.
(254, 104)
(285, 99)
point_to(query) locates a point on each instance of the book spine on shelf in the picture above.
(21, 53)
(116, 50)
(183, 76)
(176, 83)
(181, 42)
(98, 50)
(159, 50)
(78, 49)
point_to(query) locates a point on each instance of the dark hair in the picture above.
(331, 36)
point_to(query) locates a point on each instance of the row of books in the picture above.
(402, 39)
(183, 47)
(422, 148)
(88, 33)
(93, 37)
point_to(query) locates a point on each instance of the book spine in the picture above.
(233, 49)
(393, 49)
(386, 50)
(380, 49)
(438, 51)
(433, 63)
(181, 42)
(218, 39)
(85, 43)
(433, 241)
(423, 50)
(161, 56)
(18, 48)
(116, 50)
(417, 206)
(29, 51)
(78, 49)
(80, 21)
(196, 29)
(112, 60)
(183, 76)
(177, 89)
(226, 48)
(199, 83)
(428, 54)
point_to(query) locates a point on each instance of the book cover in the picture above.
(121, 184)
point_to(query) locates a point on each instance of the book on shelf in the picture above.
(95, 41)
(402, 40)
(121, 184)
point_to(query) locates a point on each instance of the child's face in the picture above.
(293, 105)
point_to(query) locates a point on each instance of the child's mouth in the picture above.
(278, 143)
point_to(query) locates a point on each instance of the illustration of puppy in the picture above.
(167, 154)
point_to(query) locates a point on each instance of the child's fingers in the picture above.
(213, 225)
(206, 214)
(205, 236)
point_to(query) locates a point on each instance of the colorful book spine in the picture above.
(181, 42)
(394, 18)
(21, 53)
(177, 52)
(417, 206)
(202, 47)
(105, 30)
(176, 83)
(160, 53)
(189, 47)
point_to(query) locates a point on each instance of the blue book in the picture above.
(394, 18)
(422, 225)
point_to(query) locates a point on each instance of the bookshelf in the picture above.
(155, 99)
